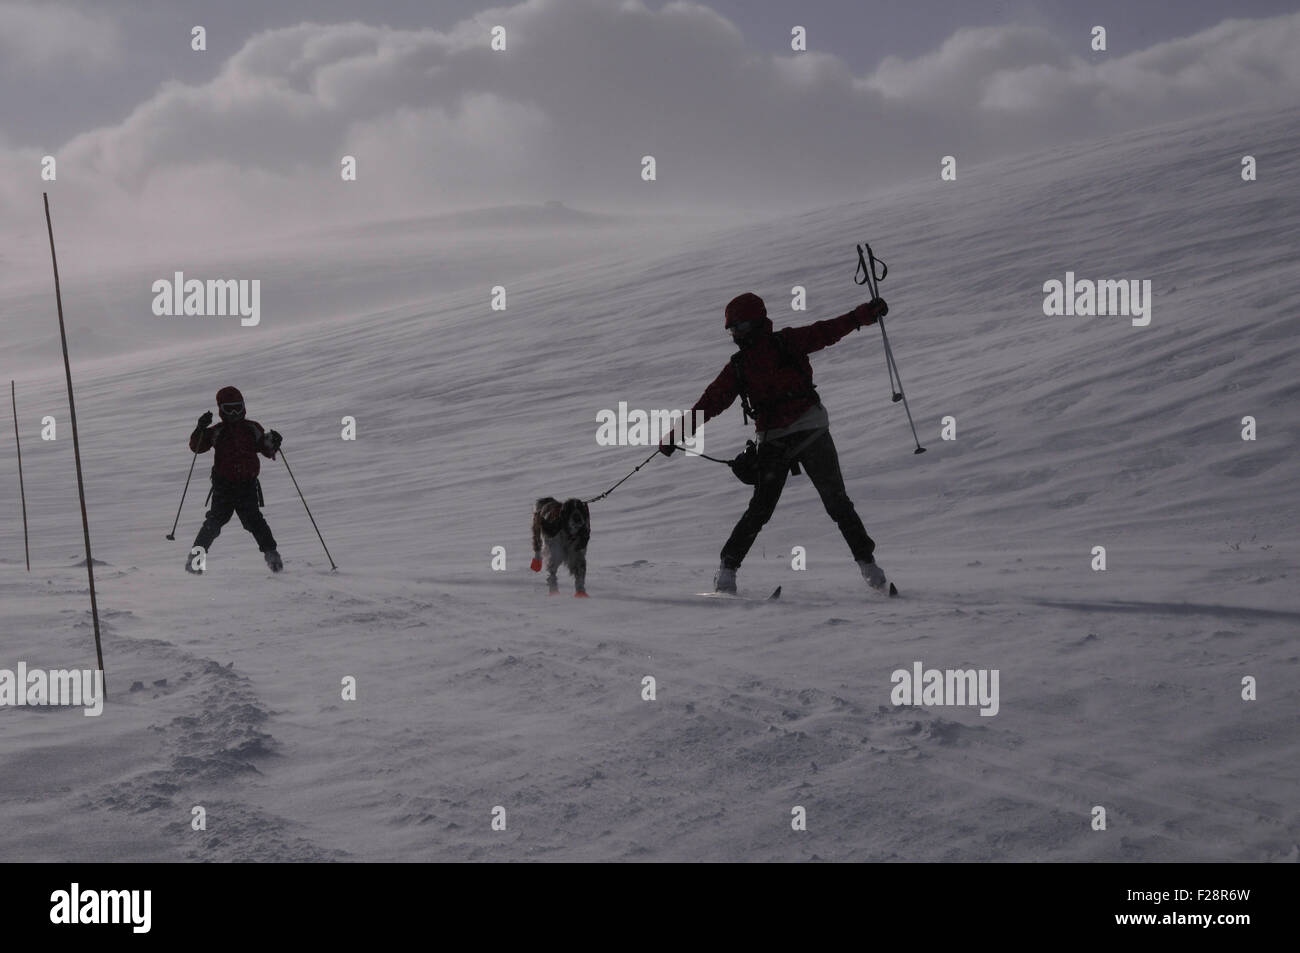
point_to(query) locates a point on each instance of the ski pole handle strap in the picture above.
(866, 271)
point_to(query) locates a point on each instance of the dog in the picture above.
(566, 528)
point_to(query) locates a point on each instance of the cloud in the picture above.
(1238, 63)
(586, 88)
(966, 64)
(54, 35)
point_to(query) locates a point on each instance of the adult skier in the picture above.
(773, 377)
(236, 442)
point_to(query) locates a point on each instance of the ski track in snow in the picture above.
(475, 689)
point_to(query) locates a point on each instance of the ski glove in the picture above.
(205, 420)
(870, 312)
(667, 449)
(273, 440)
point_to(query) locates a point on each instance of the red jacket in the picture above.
(777, 385)
(237, 445)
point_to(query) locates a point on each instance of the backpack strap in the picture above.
(746, 408)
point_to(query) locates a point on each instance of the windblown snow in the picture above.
(1120, 689)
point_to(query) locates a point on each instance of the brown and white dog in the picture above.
(566, 528)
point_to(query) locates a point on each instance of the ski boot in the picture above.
(724, 580)
(273, 560)
(875, 577)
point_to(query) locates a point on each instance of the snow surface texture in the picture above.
(1119, 688)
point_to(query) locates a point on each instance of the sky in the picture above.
(137, 47)
(154, 137)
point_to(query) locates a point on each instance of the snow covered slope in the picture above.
(1119, 688)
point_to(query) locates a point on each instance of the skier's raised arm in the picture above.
(820, 334)
(201, 438)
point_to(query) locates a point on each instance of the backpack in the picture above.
(746, 406)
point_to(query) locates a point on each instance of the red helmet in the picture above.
(230, 403)
(746, 315)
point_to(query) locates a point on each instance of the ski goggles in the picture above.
(742, 330)
(233, 409)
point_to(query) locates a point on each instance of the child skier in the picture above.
(237, 441)
(773, 378)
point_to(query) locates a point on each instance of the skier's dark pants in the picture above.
(822, 464)
(239, 499)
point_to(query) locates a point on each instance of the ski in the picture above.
(776, 594)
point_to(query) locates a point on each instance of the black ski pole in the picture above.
(172, 534)
(867, 262)
(889, 356)
(308, 509)
(895, 386)
(21, 492)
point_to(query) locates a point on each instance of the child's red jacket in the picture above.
(237, 444)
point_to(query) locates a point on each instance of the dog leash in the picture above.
(692, 453)
(705, 456)
(597, 499)
(689, 453)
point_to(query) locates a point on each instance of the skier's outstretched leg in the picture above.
(822, 463)
(253, 520)
(223, 506)
(761, 505)
(251, 516)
